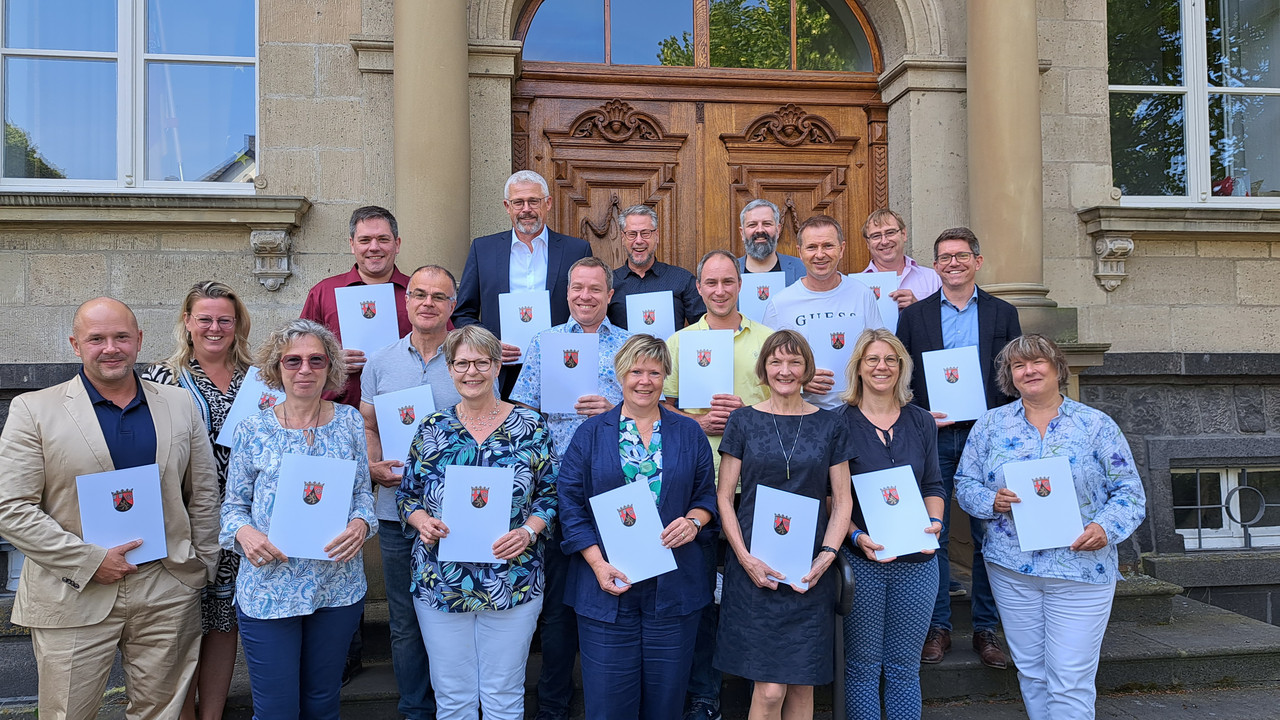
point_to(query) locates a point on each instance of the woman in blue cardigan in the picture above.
(636, 639)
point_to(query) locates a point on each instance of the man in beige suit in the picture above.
(82, 601)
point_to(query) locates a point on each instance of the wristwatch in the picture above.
(532, 535)
(697, 524)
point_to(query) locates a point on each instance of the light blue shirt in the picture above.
(528, 388)
(960, 325)
(1108, 488)
(528, 268)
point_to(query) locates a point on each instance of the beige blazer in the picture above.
(52, 436)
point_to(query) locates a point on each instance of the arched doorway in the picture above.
(695, 107)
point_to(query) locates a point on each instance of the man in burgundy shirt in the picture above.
(375, 241)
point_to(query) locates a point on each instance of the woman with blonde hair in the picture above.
(210, 359)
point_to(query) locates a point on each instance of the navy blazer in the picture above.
(592, 465)
(487, 274)
(920, 330)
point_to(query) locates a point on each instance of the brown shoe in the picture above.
(987, 645)
(936, 644)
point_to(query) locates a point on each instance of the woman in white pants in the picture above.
(1054, 603)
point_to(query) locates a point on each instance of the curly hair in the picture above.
(272, 351)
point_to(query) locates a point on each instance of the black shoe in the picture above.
(352, 668)
(702, 711)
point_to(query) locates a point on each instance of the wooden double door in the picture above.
(697, 149)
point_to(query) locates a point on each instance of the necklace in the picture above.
(481, 418)
(785, 455)
(309, 428)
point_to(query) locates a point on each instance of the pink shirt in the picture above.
(915, 277)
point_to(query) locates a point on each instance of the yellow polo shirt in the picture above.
(747, 341)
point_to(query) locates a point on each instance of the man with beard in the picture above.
(760, 224)
(644, 274)
(529, 257)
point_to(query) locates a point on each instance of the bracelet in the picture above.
(533, 536)
(934, 519)
(854, 537)
(828, 548)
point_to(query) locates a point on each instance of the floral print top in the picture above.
(1108, 487)
(640, 463)
(521, 442)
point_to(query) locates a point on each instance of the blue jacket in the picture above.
(792, 267)
(592, 465)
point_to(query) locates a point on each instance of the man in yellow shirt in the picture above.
(719, 281)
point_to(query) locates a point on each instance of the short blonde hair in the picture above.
(272, 352)
(902, 390)
(641, 347)
(1031, 346)
(790, 342)
(476, 337)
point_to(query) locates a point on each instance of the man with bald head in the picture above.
(83, 601)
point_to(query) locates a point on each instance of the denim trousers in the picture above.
(408, 652)
(951, 440)
(559, 627)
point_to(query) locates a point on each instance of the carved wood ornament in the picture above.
(617, 122)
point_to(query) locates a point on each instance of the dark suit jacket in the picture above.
(487, 274)
(920, 330)
(592, 465)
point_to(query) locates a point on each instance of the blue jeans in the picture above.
(704, 679)
(408, 653)
(637, 667)
(559, 634)
(295, 663)
(951, 442)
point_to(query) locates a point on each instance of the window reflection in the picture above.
(655, 32)
(567, 31)
(200, 122)
(44, 25)
(751, 34)
(825, 37)
(60, 119)
(225, 27)
(1243, 40)
(1145, 42)
(1147, 140)
(1244, 158)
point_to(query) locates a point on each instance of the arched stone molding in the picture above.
(494, 19)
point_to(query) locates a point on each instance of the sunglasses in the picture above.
(294, 362)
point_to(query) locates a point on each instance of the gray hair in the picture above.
(372, 212)
(525, 176)
(437, 270)
(1031, 346)
(272, 352)
(759, 203)
(724, 254)
(595, 262)
(638, 210)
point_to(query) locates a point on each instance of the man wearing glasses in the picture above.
(529, 257)
(958, 315)
(642, 272)
(886, 236)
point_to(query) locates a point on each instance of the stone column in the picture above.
(432, 132)
(1006, 184)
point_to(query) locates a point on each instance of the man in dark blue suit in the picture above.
(958, 315)
(528, 257)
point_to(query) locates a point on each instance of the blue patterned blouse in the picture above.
(301, 585)
(639, 462)
(522, 442)
(1107, 486)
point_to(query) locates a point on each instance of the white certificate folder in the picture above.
(476, 507)
(1048, 515)
(631, 532)
(783, 529)
(705, 365)
(121, 506)
(652, 313)
(367, 316)
(954, 380)
(521, 315)
(570, 369)
(894, 511)
(253, 397)
(313, 504)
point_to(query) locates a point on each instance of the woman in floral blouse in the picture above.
(478, 618)
(1054, 603)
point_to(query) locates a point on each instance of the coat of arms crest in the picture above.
(1041, 484)
(526, 313)
(267, 400)
(837, 340)
(479, 496)
(650, 317)
(890, 495)
(952, 373)
(406, 415)
(781, 523)
(627, 514)
(122, 499)
(876, 289)
(762, 292)
(368, 308)
(311, 492)
(571, 359)
(704, 358)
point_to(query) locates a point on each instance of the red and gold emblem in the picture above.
(781, 523)
(479, 497)
(368, 308)
(1041, 484)
(267, 400)
(876, 289)
(406, 415)
(650, 317)
(762, 292)
(837, 340)
(311, 492)
(526, 313)
(952, 373)
(627, 514)
(571, 359)
(704, 358)
(890, 495)
(122, 499)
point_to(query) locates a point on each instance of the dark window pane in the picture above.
(751, 34)
(1243, 43)
(61, 24)
(1268, 481)
(182, 27)
(655, 32)
(1148, 145)
(1185, 500)
(1244, 157)
(829, 37)
(1146, 42)
(567, 31)
(200, 122)
(60, 119)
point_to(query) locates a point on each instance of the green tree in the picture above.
(757, 34)
(22, 158)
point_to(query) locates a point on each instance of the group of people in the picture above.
(461, 631)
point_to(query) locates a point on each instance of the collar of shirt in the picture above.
(745, 326)
(1067, 408)
(96, 397)
(655, 269)
(967, 305)
(352, 277)
(606, 327)
(539, 240)
(909, 265)
(413, 350)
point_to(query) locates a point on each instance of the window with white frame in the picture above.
(1225, 507)
(129, 95)
(1195, 101)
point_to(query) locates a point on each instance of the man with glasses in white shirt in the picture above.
(886, 236)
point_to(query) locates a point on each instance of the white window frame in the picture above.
(1231, 535)
(1195, 102)
(131, 59)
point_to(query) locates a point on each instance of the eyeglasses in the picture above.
(963, 257)
(873, 360)
(205, 322)
(462, 366)
(887, 234)
(633, 234)
(435, 298)
(522, 203)
(294, 362)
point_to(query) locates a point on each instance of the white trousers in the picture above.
(478, 659)
(1054, 628)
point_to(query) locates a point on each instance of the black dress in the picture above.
(780, 636)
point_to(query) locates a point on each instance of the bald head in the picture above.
(105, 336)
(96, 307)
